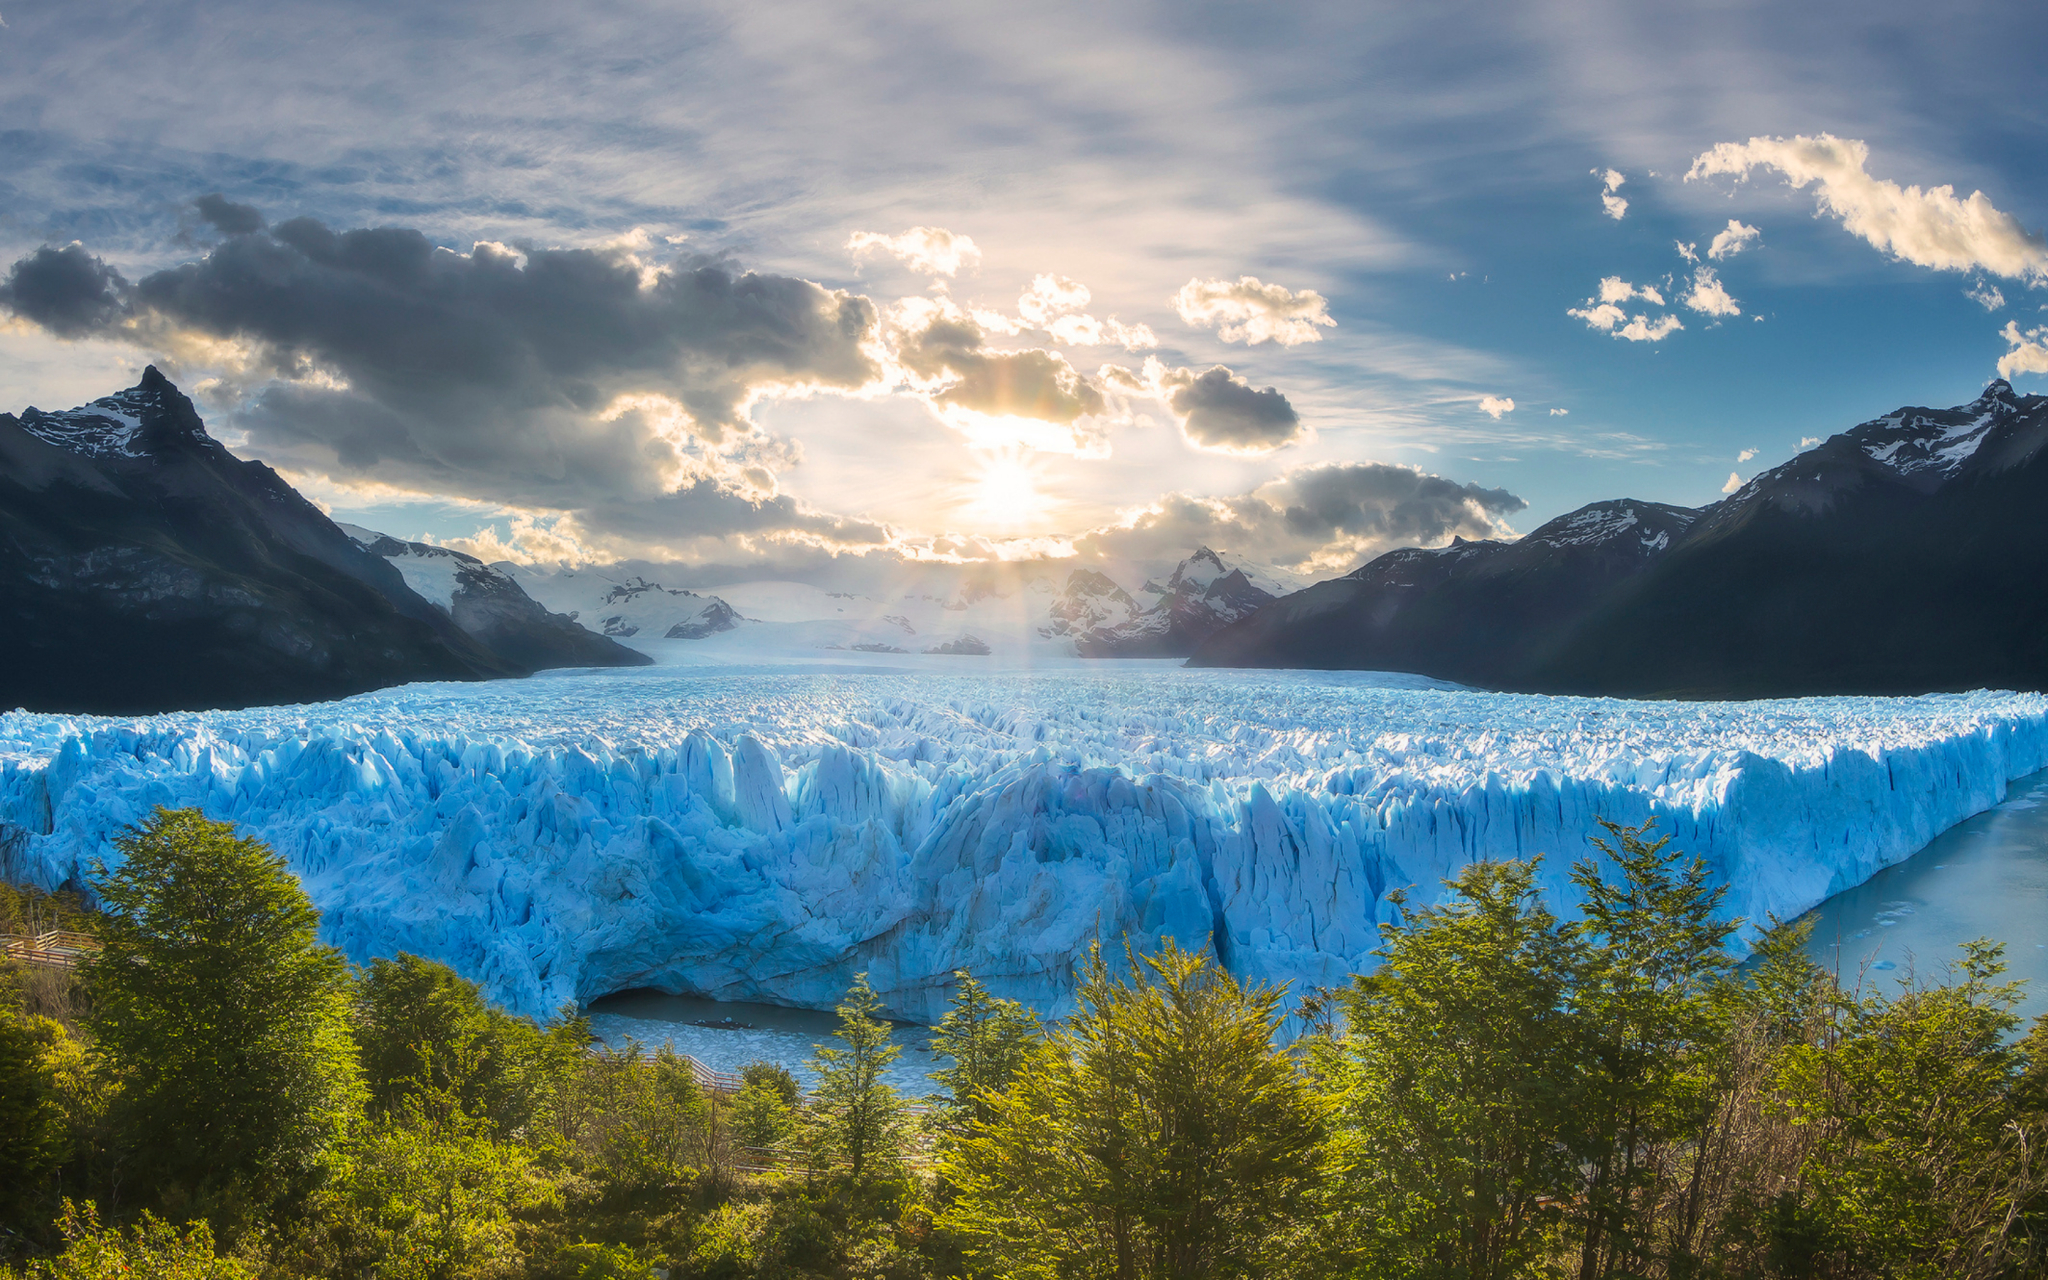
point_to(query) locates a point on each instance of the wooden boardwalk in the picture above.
(52, 948)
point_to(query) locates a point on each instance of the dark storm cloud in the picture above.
(1328, 516)
(1370, 498)
(67, 291)
(1219, 410)
(570, 378)
(227, 217)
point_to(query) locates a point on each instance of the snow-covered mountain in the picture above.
(143, 566)
(1204, 594)
(1906, 554)
(1090, 601)
(489, 605)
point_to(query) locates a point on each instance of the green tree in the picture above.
(765, 1111)
(427, 1035)
(988, 1039)
(227, 1018)
(637, 1120)
(1649, 1009)
(34, 1134)
(1159, 1135)
(760, 1118)
(856, 1118)
(153, 1248)
(1924, 1165)
(420, 1197)
(1456, 1081)
(773, 1076)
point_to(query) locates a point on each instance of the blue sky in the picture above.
(1434, 174)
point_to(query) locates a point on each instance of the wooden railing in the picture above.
(53, 948)
(716, 1081)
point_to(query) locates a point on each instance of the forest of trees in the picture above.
(217, 1096)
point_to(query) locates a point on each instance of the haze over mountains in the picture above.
(1902, 556)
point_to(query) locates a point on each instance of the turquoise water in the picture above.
(1986, 877)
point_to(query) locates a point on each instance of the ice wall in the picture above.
(766, 836)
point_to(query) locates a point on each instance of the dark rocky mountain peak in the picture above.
(147, 418)
(144, 567)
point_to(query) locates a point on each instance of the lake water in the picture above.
(1986, 877)
(783, 1036)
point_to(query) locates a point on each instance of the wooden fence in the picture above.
(52, 948)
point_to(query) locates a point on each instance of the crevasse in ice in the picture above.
(766, 835)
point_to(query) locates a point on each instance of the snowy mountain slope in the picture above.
(1476, 612)
(1203, 595)
(769, 836)
(143, 566)
(1090, 601)
(490, 606)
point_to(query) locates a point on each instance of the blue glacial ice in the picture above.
(764, 835)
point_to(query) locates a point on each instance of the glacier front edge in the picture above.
(765, 836)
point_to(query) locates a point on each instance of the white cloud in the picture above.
(2029, 352)
(1494, 406)
(997, 322)
(934, 251)
(1087, 331)
(1807, 442)
(1642, 329)
(1734, 483)
(1252, 311)
(1604, 313)
(1604, 316)
(1708, 296)
(1731, 240)
(1745, 455)
(1930, 228)
(1986, 295)
(1616, 289)
(1690, 252)
(1610, 182)
(1049, 297)
(1559, 413)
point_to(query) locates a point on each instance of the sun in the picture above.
(1004, 495)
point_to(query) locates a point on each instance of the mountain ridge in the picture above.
(144, 567)
(1903, 555)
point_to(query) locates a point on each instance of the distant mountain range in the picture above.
(1906, 555)
(143, 567)
(1204, 594)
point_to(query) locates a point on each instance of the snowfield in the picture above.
(765, 833)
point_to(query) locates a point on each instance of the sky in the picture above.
(800, 289)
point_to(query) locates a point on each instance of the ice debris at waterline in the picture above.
(765, 836)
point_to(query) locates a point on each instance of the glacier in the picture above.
(764, 833)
